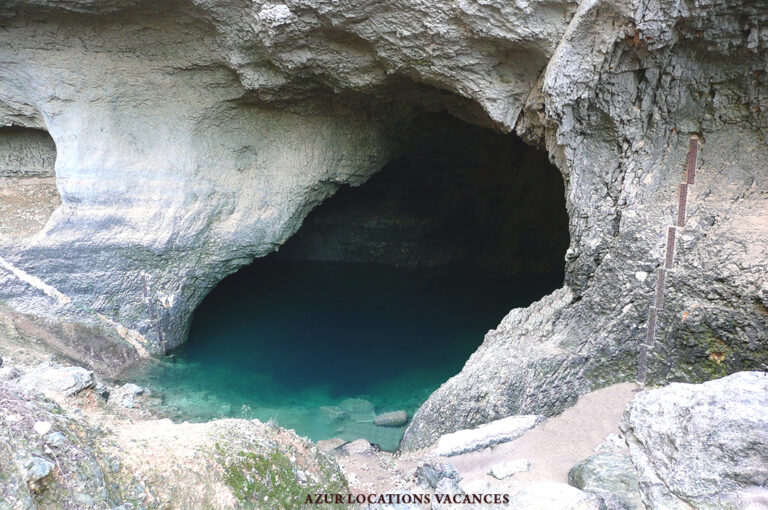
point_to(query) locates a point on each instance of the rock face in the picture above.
(702, 446)
(191, 137)
(94, 460)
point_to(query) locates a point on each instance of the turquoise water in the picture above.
(292, 341)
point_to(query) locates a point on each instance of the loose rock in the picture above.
(49, 377)
(496, 432)
(429, 474)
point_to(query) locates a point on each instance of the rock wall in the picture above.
(192, 137)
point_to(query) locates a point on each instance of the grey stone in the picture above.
(38, 468)
(701, 445)
(84, 500)
(429, 474)
(55, 439)
(391, 419)
(611, 475)
(357, 447)
(159, 202)
(50, 377)
(552, 495)
(489, 434)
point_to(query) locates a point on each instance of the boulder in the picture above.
(553, 496)
(610, 475)
(358, 447)
(428, 475)
(391, 419)
(495, 432)
(48, 377)
(702, 446)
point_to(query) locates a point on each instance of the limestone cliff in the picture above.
(193, 136)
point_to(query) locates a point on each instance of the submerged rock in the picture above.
(489, 434)
(391, 419)
(358, 410)
(702, 445)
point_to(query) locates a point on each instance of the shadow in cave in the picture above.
(383, 293)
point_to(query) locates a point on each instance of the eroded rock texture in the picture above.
(193, 136)
(702, 446)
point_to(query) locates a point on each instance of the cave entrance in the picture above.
(28, 194)
(383, 293)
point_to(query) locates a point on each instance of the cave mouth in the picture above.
(383, 293)
(28, 193)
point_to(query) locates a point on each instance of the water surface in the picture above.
(292, 341)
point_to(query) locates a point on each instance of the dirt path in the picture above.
(553, 447)
(556, 444)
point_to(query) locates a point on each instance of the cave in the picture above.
(28, 193)
(383, 293)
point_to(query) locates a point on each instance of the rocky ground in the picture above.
(70, 440)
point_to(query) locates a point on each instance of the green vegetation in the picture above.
(270, 481)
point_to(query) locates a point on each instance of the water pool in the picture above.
(319, 347)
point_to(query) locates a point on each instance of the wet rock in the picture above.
(489, 434)
(554, 496)
(610, 475)
(508, 468)
(391, 419)
(50, 377)
(701, 446)
(428, 475)
(333, 414)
